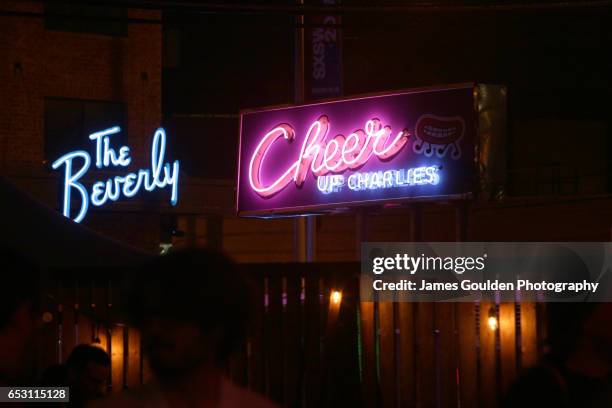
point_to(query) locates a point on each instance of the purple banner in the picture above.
(323, 54)
(358, 151)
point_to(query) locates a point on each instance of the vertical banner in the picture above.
(323, 54)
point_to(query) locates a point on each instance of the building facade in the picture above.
(72, 70)
(66, 75)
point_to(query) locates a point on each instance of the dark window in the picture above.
(69, 122)
(171, 48)
(86, 19)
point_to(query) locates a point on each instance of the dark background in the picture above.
(553, 60)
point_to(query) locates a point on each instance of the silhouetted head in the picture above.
(572, 324)
(88, 370)
(192, 308)
(19, 293)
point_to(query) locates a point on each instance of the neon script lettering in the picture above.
(321, 156)
(160, 175)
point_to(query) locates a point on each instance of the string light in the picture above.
(492, 320)
(336, 297)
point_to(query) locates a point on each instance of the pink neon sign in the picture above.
(321, 156)
(332, 155)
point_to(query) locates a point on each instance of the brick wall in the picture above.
(38, 63)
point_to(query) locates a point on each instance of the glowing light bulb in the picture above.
(493, 323)
(336, 297)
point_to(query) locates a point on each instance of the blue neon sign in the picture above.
(160, 175)
(374, 180)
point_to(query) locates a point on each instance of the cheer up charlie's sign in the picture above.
(388, 148)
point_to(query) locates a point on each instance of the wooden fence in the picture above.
(89, 312)
(314, 344)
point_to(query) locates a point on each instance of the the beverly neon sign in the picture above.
(160, 175)
(321, 156)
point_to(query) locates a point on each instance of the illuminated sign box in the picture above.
(403, 146)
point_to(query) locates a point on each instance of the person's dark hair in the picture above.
(54, 376)
(84, 354)
(200, 286)
(565, 327)
(20, 284)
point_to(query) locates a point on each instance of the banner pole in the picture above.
(304, 228)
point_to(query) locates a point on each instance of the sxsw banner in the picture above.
(411, 145)
(322, 54)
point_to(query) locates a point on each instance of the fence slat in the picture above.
(340, 350)
(368, 363)
(407, 356)
(466, 339)
(312, 342)
(426, 391)
(238, 365)
(68, 333)
(255, 346)
(273, 340)
(507, 330)
(387, 355)
(292, 337)
(446, 360)
(102, 336)
(46, 347)
(529, 337)
(147, 373)
(134, 366)
(117, 358)
(488, 391)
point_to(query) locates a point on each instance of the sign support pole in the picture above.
(416, 222)
(304, 228)
(461, 221)
(361, 229)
